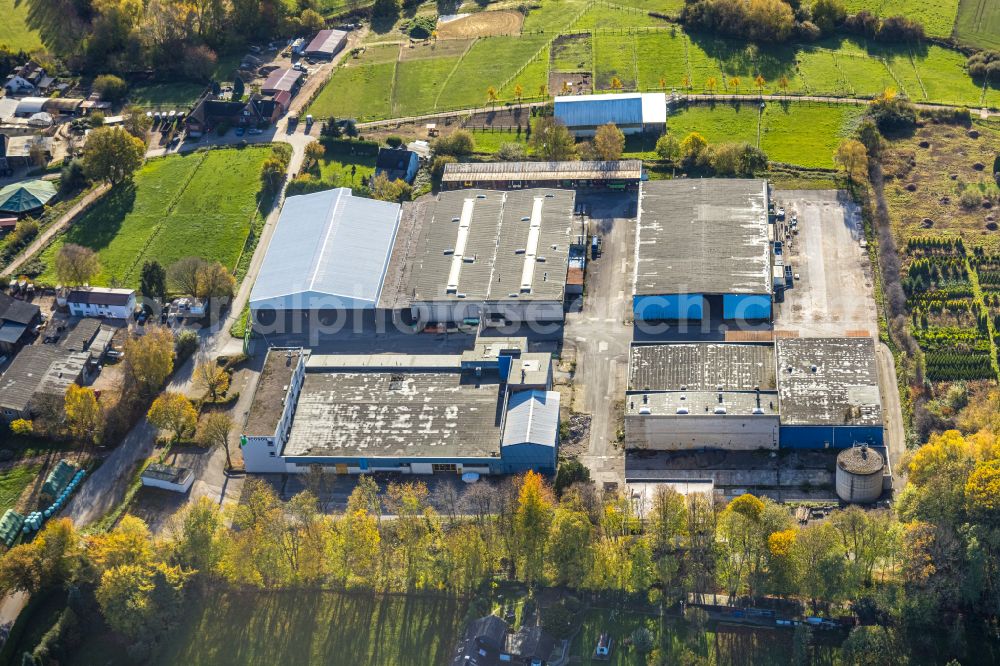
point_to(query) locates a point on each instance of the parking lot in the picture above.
(833, 294)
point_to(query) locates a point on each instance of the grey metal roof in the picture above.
(701, 367)
(618, 108)
(283, 78)
(39, 369)
(701, 403)
(828, 381)
(330, 249)
(703, 236)
(481, 245)
(269, 396)
(535, 171)
(532, 416)
(100, 296)
(17, 311)
(326, 42)
(396, 414)
(82, 335)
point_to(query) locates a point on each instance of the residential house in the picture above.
(101, 302)
(17, 319)
(397, 164)
(27, 79)
(210, 113)
(488, 643)
(16, 150)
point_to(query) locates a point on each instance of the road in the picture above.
(600, 334)
(55, 228)
(891, 408)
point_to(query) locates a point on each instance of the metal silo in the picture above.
(859, 475)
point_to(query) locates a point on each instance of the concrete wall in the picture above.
(668, 306)
(261, 455)
(829, 437)
(746, 306)
(182, 487)
(688, 431)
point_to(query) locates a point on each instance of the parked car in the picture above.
(781, 213)
(300, 67)
(240, 131)
(595, 246)
(255, 131)
(114, 353)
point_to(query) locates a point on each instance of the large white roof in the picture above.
(532, 417)
(330, 249)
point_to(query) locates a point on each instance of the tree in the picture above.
(667, 148)
(737, 159)
(76, 265)
(759, 82)
(38, 154)
(711, 83)
(531, 526)
(213, 430)
(22, 427)
(148, 360)
(198, 536)
(491, 94)
(609, 142)
(51, 558)
(869, 136)
(692, 146)
(552, 141)
(570, 472)
(457, 144)
(820, 562)
(138, 600)
(397, 190)
(136, 122)
(212, 378)
(153, 280)
(852, 156)
(783, 83)
(568, 554)
(238, 89)
(183, 274)
(112, 154)
(892, 113)
(735, 82)
(275, 167)
(828, 14)
(129, 542)
(110, 87)
(174, 412)
(518, 92)
(215, 281)
(386, 9)
(312, 21)
(314, 152)
(83, 414)
(616, 83)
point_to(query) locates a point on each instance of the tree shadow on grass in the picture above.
(102, 223)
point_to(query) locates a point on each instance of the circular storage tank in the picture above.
(859, 475)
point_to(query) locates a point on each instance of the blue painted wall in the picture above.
(668, 306)
(834, 437)
(746, 306)
(522, 457)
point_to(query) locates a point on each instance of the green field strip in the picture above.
(451, 72)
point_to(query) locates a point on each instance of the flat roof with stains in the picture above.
(701, 367)
(481, 245)
(703, 236)
(272, 387)
(828, 381)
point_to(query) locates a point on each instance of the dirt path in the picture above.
(55, 228)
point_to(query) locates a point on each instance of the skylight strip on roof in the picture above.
(531, 249)
(458, 258)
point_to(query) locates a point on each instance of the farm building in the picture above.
(397, 164)
(630, 112)
(494, 256)
(702, 251)
(615, 175)
(17, 319)
(828, 392)
(101, 302)
(401, 413)
(329, 253)
(701, 396)
(26, 196)
(39, 372)
(326, 44)
(167, 477)
(282, 80)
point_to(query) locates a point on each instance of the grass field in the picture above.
(303, 627)
(14, 32)
(573, 55)
(13, 482)
(978, 23)
(193, 204)
(335, 167)
(802, 134)
(937, 16)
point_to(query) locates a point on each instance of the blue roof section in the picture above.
(330, 249)
(621, 109)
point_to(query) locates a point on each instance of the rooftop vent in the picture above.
(813, 368)
(456, 219)
(480, 196)
(720, 410)
(526, 218)
(645, 410)
(519, 250)
(757, 410)
(450, 251)
(682, 410)
(540, 259)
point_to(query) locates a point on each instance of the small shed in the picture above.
(397, 164)
(168, 477)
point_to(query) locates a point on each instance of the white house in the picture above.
(168, 477)
(101, 302)
(18, 85)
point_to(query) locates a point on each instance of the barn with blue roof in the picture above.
(632, 113)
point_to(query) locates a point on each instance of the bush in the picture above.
(570, 472)
(970, 198)
(438, 165)
(394, 141)
(186, 345)
(511, 152)
(756, 20)
(893, 114)
(420, 27)
(73, 176)
(459, 143)
(900, 29)
(985, 65)
(110, 87)
(737, 159)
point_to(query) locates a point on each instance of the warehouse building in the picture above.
(328, 255)
(326, 44)
(612, 175)
(489, 411)
(498, 257)
(828, 392)
(630, 112)
(39, 373)
(702, 251)
(701, 396)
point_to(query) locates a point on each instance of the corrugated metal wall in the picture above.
(746, 306)
(668, 306)
(522, 457)
(834, 437)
